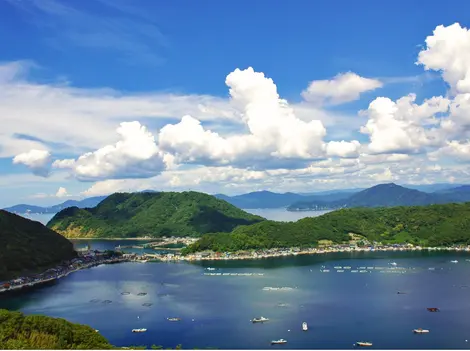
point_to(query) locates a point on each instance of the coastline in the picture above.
(277, 253)
(16, 287)
(111, 239)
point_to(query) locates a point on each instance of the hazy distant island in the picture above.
(385, 195)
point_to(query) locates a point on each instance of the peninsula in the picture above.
(434, 225)
(129, 215)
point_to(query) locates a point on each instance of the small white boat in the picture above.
(420, 331)
(174, 319)
(277, 342)
(140, 330)
(259, 320)
(364, 343)
(304, 326)
(454, 261)
(394, 264)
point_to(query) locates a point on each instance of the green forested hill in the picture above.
(33, 332)
(426, 225)
(130, 215)
(29, 246)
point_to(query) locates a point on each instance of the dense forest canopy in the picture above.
(433, 225)
(18, 331)
(28, 245)
(127, 215)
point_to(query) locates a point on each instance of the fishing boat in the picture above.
(364, 343)
(174, 319)
(433, 309)
(420, 331)
(140, 330)
(304, 326)
(277, 342)
(259, 320)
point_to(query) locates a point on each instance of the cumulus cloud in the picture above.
(274, 130)
(136, 155)
(38, 161)
(403, 126)
(344, 87)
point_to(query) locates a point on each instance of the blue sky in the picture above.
(72, 71)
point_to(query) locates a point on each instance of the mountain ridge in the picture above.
(128, 215)
(385, 195)
(29, 246)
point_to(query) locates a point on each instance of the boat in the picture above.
(364, 343)
(304, 326)
(174, 319)
(141, 330)
(454, 261)
(433, 309)
(420, 331)
(259, 320)
(277, 342)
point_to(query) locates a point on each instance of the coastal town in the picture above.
(87, 258)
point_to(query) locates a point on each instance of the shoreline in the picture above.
(32, 284)
(111, 239)
(227, 256)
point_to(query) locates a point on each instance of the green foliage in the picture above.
(434, 225)
(18, 331)
(152, 214)
(28, 246)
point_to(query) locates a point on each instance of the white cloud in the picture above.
(274, 130)
(80, 120)
(38, 161)
(61, 192)
(454, 149)
(136, 155)
(400, 127)
(343, 148)
(448, 51)
(342, 88)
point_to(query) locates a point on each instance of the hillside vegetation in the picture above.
(127, 215)
(432, 225)
(34, 332)
(28, 245)
(384, 195)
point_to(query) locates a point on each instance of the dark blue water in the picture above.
(340, 308)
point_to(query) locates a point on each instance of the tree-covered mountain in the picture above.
(128, 215)
(28, 246)
(34, 332)
(384, 195)
(432, 225)
(24, 208)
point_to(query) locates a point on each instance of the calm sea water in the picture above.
(340, 308)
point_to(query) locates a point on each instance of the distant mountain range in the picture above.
(386, 195)
(88, 202)
(380, 195)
